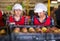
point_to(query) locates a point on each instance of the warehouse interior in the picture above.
(29, 32)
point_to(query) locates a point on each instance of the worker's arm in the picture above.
(52, 22)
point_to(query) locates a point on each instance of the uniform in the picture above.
(48, 21)
(1, 19)
(21, 21)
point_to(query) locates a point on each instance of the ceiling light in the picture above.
(58, 0)
(53, 1)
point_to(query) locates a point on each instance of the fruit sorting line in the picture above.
(53, 33)
(35, 37)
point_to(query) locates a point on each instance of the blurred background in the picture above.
(6, 5)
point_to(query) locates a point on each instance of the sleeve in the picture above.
(0, 15)
(27, 20)
(52, 22)
(7, 21)
(32, 20)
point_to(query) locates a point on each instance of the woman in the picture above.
(1, 19)
(43, 19)
(17, 17)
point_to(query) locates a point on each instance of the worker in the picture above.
(1, 19)
(57, 13)
(17, 17)
(42, 19)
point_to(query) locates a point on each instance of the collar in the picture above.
(43, 20)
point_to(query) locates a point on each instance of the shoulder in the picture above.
(49, 17)
(28, 17)
(22, 16)
(10, 17)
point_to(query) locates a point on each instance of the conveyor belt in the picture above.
(35, 36)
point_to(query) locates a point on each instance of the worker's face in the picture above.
(18, 12)
(41, 14)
